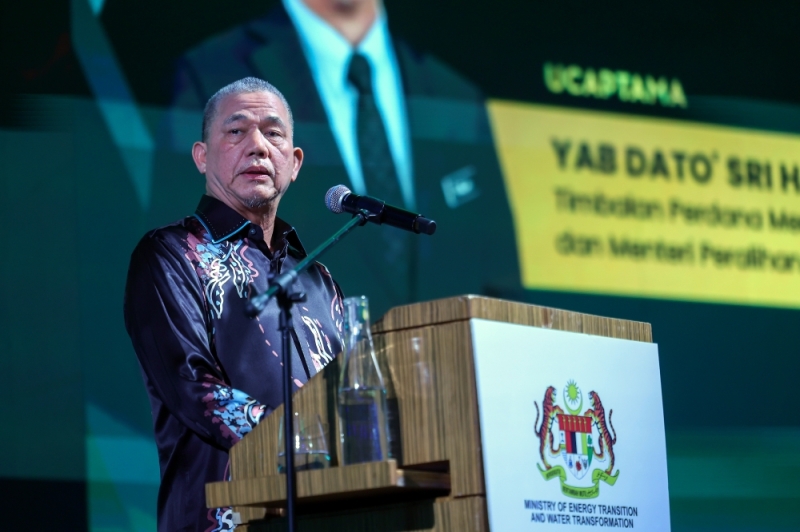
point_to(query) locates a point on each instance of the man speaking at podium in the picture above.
(211, 372)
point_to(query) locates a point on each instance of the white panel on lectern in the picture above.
(572, 427)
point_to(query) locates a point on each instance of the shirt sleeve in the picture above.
(166, 318)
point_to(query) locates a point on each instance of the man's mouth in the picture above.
(256, 172)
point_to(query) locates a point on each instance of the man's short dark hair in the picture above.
(242, 86)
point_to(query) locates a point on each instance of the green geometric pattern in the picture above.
(113, 96)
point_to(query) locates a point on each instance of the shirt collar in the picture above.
(222, 223)
(376, 43)
(327, 51)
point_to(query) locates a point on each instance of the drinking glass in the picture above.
(310, 443)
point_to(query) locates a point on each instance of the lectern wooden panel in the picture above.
(425, 352)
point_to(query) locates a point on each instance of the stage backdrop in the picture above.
(640, 162)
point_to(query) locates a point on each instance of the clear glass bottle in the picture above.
(363, 425)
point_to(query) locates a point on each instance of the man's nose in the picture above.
(258, 144)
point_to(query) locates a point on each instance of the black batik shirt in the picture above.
(211, 372)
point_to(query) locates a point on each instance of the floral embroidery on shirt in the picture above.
(237, 412)
(321, 352)
(216, 264)
(221, 519)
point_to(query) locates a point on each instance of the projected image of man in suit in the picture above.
(387, 121)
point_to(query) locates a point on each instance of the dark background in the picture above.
(78, 428)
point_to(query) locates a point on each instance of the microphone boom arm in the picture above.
(284, 281)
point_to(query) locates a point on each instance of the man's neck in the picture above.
(351, 18)
(263, 217)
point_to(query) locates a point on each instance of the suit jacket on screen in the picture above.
(457, 180)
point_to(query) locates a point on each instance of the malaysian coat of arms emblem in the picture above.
(579, 445)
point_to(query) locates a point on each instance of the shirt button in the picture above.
(252, 231)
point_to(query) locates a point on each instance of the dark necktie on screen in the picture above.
(380, 175)
(380, 178)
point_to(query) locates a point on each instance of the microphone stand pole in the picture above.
(281, 287)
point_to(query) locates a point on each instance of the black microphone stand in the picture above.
(281, 286)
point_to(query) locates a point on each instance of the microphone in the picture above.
(339, 199)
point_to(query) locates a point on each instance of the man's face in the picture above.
(249, 158)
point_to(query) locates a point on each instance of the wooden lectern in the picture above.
(437, 484)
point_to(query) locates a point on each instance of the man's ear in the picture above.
(199, 150)
(298, 162)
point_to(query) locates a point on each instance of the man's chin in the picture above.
(258, 202)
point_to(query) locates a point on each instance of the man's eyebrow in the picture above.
(274, 119)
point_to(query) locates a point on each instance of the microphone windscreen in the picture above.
(334, 196)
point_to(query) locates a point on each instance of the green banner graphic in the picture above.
(590, 492)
